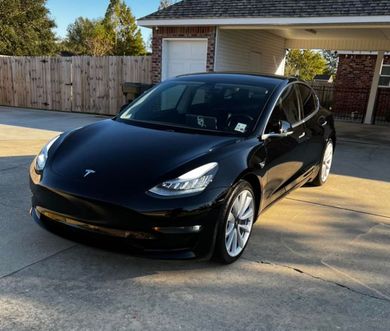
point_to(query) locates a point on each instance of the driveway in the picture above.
(318, 260)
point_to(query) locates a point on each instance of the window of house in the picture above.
(384, 80)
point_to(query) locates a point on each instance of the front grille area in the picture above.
(90, 227)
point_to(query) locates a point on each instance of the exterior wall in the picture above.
(357, 44)
(355, 71)
(234, 49)
(160, 33)
(353, 83)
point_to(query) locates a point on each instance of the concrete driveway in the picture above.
(318, 260)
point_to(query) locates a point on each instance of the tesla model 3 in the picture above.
(188, 167)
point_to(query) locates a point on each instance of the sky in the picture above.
(65, 12)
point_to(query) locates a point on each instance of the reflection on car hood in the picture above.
(123, 155)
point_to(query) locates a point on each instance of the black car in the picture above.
(186, 169)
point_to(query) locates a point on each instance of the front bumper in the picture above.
(185, 232)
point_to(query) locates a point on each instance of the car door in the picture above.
(285, 156)
(314, 124)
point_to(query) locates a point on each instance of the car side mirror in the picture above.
(282, 129)
(285, 128)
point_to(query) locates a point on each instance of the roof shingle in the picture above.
(191, 9)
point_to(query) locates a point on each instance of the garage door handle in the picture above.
(302, 135)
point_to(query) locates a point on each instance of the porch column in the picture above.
(374, 88)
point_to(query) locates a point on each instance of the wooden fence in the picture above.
(78, 84)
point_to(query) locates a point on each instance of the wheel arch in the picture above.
(254, 181)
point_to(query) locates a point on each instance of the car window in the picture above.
(199, 97)
(276, 116)
(287, 108)
(170, 98)
(309, 102)
(204, 105)
(289, 103)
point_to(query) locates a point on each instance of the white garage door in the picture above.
(183, 57)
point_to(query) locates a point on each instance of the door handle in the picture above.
(302, 135)
(322, 121)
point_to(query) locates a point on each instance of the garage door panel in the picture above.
(183, 57)
(176, 50)
(198, 50)
(196, 67)
(177, 70)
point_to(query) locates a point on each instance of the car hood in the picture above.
(128, 157)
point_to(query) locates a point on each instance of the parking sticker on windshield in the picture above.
(240, 127)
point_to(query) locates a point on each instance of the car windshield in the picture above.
(201, 105)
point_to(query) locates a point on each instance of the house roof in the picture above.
(201, 9)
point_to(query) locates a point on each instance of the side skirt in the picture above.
(304, 179)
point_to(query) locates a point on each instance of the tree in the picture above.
(88, 37)
(165, 4)
(305, 64)
(26, 28)
(115, 34)
(123, 30)
(77, 35)
(331, 60)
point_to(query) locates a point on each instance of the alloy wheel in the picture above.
(239, 223)
(327, 162)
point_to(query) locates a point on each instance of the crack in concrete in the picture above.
(324, 263)
(357, 238)
(359, 142)
(36, 262)
(20, 165)
(337, 207)
(302, 272)
(11, 168)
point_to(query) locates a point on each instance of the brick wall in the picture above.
(353, 83)
(180, 32)
(355, 71)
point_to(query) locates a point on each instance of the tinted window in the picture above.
(286, 109)
(276, 116)
(218, 106)
(170, 97)
(289, 104)
(309, 102)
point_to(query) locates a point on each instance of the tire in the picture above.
(325, 166)
(235, 223)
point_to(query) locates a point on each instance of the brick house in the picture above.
(253, 35)
(355, 74)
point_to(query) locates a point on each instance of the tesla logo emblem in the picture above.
(89, 172)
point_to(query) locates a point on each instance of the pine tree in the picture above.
(26, 28)
(123, 30)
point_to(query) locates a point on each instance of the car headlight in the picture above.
(40, 161)
(193, 181)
